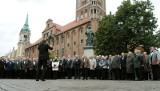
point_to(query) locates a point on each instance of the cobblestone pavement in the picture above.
(78, 85)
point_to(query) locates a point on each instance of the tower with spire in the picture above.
(24, 39)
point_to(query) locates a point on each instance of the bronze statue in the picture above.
(89, 37)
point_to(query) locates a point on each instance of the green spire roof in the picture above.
(26, 26)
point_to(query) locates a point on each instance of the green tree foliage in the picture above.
(133, 24)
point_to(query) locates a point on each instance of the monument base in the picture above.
(88, 51)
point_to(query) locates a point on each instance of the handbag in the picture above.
(155, 62)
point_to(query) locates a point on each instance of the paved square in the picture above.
(78, 85)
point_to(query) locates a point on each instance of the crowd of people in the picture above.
(130, 66)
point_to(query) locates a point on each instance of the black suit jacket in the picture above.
(2, 64)
(69, 63)
(76, 63)
(43, 51)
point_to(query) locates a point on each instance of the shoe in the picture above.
(43, 80)
(37, 79)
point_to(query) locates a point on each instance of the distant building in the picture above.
(70, 39)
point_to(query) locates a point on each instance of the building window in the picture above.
(91, 11)
(85, 10)
(81, 31)
(74, 33)
(93, 2)
(95, 11)
(78, 18)
(44, 36)
(74, 53)
(48, 25)
(62, 52)
(81, 41)
(68, 45)
(62, 40)
(32, 49)
(86, 13)
(74, 43)
(81, 16)
(68, 36)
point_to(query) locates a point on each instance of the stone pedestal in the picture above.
(88, 51)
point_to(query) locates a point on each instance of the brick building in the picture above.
(70, 39)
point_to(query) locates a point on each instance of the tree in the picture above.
(102, 41)
(132, 25)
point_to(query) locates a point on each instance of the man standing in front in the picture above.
(85, 65)
(69, 65)
(137, 62)
(123, 67)
(43, 57)
(155, 63)
(76, 66)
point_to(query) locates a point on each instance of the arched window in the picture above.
(95, 11)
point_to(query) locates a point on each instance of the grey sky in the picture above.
(13, 14)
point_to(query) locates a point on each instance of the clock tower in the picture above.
(24, 39)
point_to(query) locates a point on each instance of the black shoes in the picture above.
(41, 80)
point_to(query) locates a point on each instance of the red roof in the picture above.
(59, 27)
(73, 24)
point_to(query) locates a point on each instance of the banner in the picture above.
(55, 66)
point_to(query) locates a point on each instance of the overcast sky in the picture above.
(13, 14)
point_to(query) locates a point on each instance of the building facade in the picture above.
(70, 39)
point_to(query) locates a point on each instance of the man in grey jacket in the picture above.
(116, 67)
(138, 61)
(104, 65)
(154, 60)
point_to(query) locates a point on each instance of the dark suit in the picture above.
(24, 69)
(62, 68)
(43, 57)
(30, 70)
(2, 65)
(17, 69)
(76, 66)
(69, 65)
(123, 68)
(10, 67)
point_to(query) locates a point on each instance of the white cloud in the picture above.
(13, 14)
